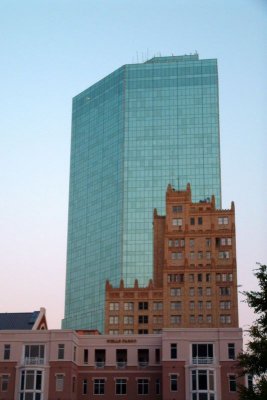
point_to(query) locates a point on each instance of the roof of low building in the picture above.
(18, 320)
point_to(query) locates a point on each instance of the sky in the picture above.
(51, 50)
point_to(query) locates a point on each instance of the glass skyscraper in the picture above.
(134, 132)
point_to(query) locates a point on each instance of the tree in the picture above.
(254, 360)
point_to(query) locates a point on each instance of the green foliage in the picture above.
(254, 360)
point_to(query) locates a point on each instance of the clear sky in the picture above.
(50, 50)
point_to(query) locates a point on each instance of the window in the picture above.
(208, 291)
(208, 277)
(142, 386)
(74, 353)
(191, 291)
(175, 319)
(113, 332)
(121, 358)
(113, 320)
(175, 292)
(176, 305)
(232, 383)
(200, 220)
(7, 351)
(85, 385)
(202, 353)
(225, 291)
(157, 386)
(199, 277)
(129, 306)
(173, 383)
(157, 305)
(143, 319)
(85, 356)
(200, 255)
(177, 222)
(200, 319)
(176, 256)
(208, 242)
(176, 243)
(121, 386)
(177, 209)
(73, 384)
(191, 305)
(4, 382)
(128, 320)
(100, 358)
(157, 319)
(192, 255)
(113, 306)
(225, 241)
(61, 352)
(225, 319)
(224, 254)
(143, 305)
(192, 242)
(173, 351)
(224, 277)
(192, 319)
(31, 383)
(208, 255)
(200, 291)
(208, 305)
(157, 355)
(99, 386)
(142, 331)
(250, 382)
(209, 319)
(202, 383)
(34, 354)
(223, 221)
(59, 382)
(200, 305)
(225, 305)
(175, 278)
(191, 277)
(231, 351)
(143, 357)
(128, 332)
(192, 221)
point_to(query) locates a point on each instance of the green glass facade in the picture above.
(134, 132)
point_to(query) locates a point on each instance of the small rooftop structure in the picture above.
(35, 320)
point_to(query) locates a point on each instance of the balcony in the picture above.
(100, 358)
(202, 360)
(33, 361)
(121, 364)
(121, 358)
(143, 358)
(143, 364)
(99, 364)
